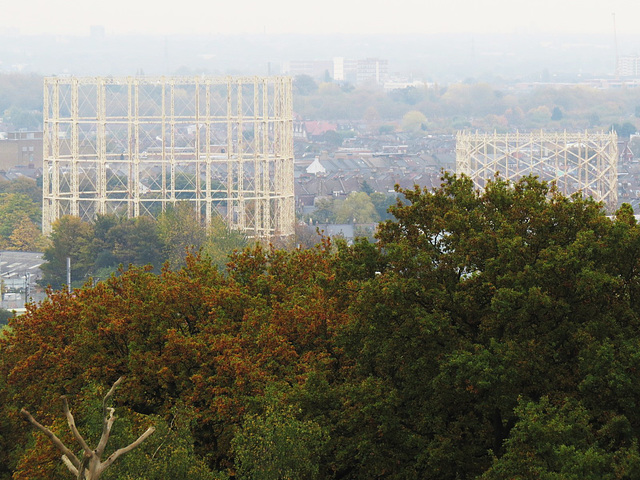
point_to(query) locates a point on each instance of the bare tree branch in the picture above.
(109, 394)
(91, 467)
(72, 468)
(52, 436)
(121, 451)
(72, 425)
(108, 416)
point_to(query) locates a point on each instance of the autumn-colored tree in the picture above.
(23, 185)
(27, 237)
(13, 208)
(192, 335)
(489, 332)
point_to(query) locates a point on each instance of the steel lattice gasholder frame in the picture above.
(135, 145)
(586, 162)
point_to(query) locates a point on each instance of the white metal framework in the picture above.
(586, 162)
(134, 145)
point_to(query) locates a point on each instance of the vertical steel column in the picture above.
(196, 148)
(258, 191)
(287, 227)
(278, 112)
(266, 163)
(231, 188)
(136, 152)
(240, 158)
(163, 168)
(208, 153)
(172, 155)
(75, 151)
(101, 140)
(46, 159)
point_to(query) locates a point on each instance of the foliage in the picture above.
(304, 85)
(97, 249)
(168, 453)
(222, 241)
(5, 315)
(24, 185)
(382, 202)
(625, 130)
(180, 230)
(556, 114)
(550, 442)
(70, 238)
(324, 211)
(414, 121)
(15, 210)
(277, 445)
(490, 333)
(27, 237)
(356, 208)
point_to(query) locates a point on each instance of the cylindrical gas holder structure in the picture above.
(135, 145)
(575, 162)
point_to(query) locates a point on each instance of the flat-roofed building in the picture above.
(20, 148)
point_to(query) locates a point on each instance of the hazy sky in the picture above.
(74, 17)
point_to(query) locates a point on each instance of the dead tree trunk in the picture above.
(91, 466)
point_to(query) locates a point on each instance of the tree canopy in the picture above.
(488, 334)
(97, 249)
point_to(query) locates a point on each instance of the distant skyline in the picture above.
(117, 17)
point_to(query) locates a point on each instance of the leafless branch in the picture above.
(91, 467)
(72, 425)
(54, 439)
(121, 451)
(108, 415)
(72, 468)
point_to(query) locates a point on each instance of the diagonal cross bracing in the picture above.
(576, 162)
(135, 145)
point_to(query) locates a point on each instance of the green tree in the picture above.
(332, 138)
(136, 241)
(556, 114)
(324, 212)
(382, 202)
(70, 237)
(414, 121)
(550, 441)
(24, 185)
(625, 130)
(356, 208)
(489, 332)
(304, 85)
(222, 241)
(277, 445)
(180, 231)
